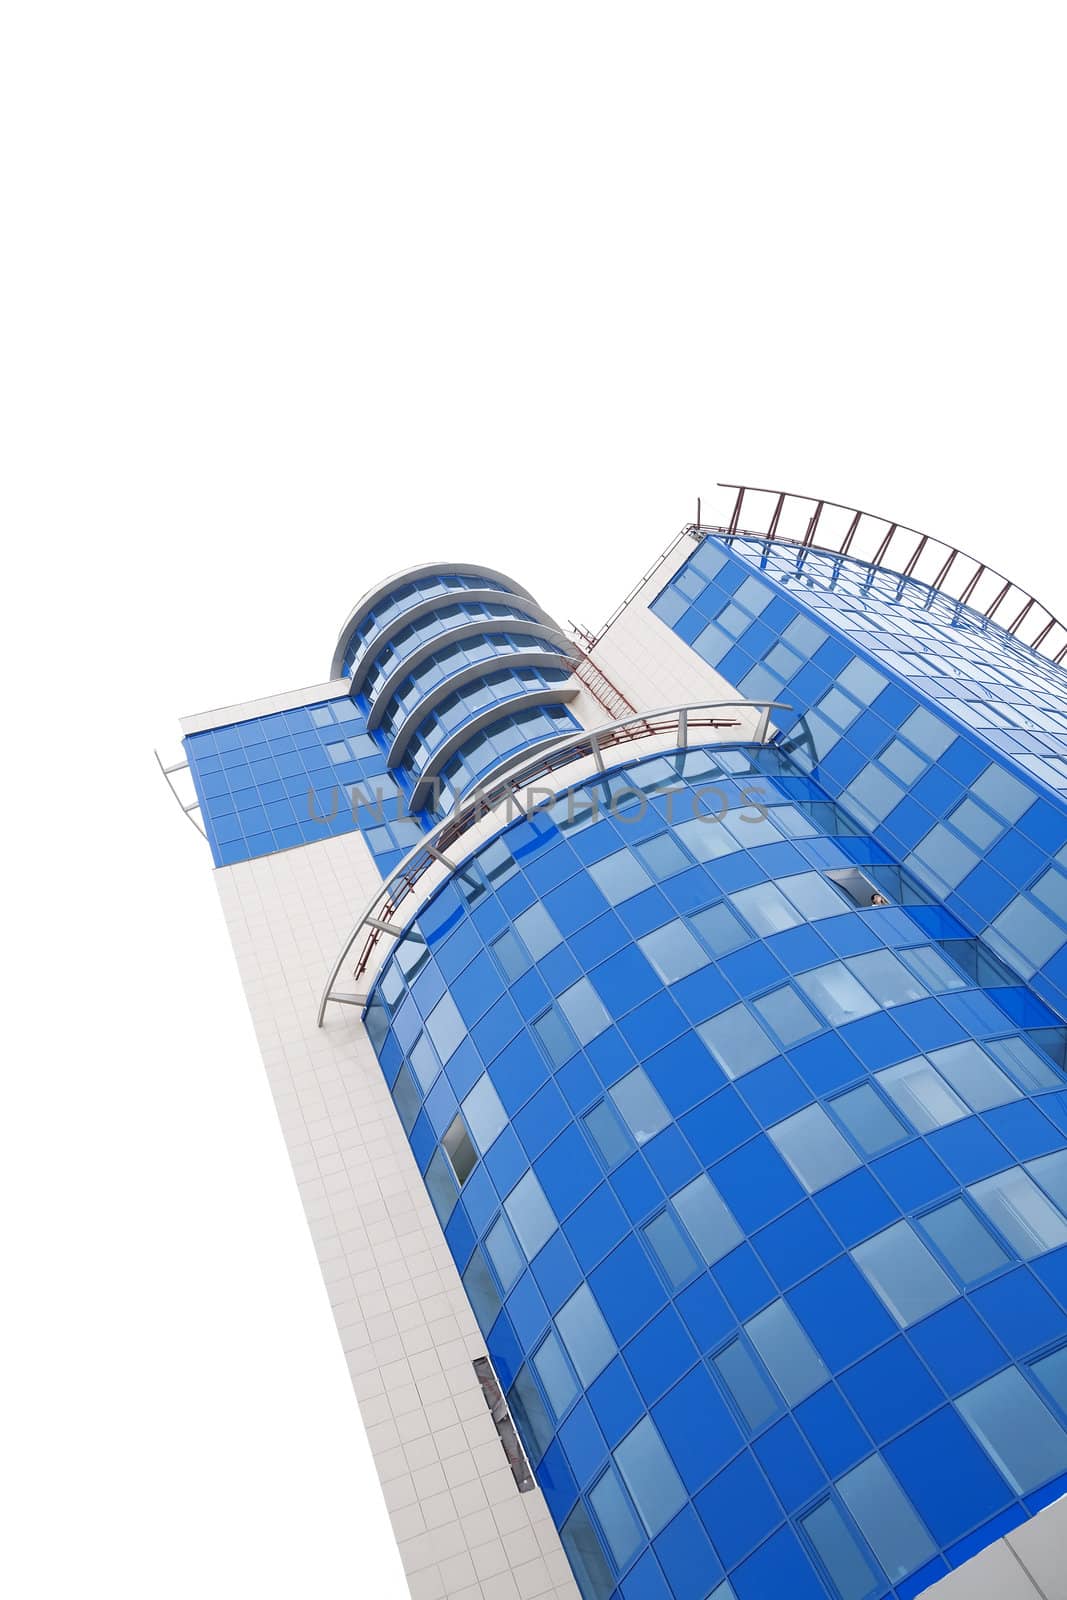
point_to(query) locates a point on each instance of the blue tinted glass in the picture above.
(530, 1214)
(673, 951)
(966, 1244)
(922, 1094)
(766, 908)
(584, 1010)
(886, 1518)
(619, 876)
(407, 1099)
(848, 1567)
(586, 1556)
(787, 1352)
(904, 1273)
(814, 1148)
(1051, 1174)
(650, 1476)
(1026, 1217)
(610, 1137)
(1051, 1371)
(445, 1027)
(737, 1041)
(710, 1222)
(639, 1105)
(746, 1383)
(555, 1375)
(1016, 1430)
(615, 1517)
(720, 929)
(537, 931)
(504, 1253)
(868, 1119)
(674, 1254)
(586, 1335)
(786, 1015)
(835, 992)
(974, 1076)
(481, 1292)
(485, 1116)
(442, 1186)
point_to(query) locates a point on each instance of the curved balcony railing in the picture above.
(672, 726)
(809, 523)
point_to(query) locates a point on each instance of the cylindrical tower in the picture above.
(457, 667)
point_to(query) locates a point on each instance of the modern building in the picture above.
(669, 1030)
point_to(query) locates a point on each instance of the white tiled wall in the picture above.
(464, 1530)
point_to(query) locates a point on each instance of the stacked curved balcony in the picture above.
(457, 668)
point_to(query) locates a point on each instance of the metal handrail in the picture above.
(678, 722)
(181, 766)
(813, 524)
(806, 522)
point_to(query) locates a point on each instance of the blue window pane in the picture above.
(835, 992)
(737, 1041)
(751, 1392)
(921, 1094)
(868, 1119)
(786, 1015)
(445, 1027)
(886, 1518)
(555, 1374)
(442, 1186)
(481, 1292)
(459, 1150)
(1016, 1430)
(902, 1271)
(720, 929)
(424, 1062)
(848, 1568)
(530, 1214)
(531, 1418)
(662, 856)
(932, 968)
(1051, 1173)
(511, 955)
(813, 896)
(673, 951)
(639, 1105)
(582, 1007)
(650, 1476)
(787, 1352)
(406, 1098)
(1029, 1069)
(710, 1222)
(609, 1135)
(886, 978)
(1051, 1372)
(618, 1522)
(485, 1116)
(972, 1074)
(504, 1253)
(671, 1248)
(814, 1148)
(537, 931)
(765, 908)
(619, 876)
(966, 1244)
(1026, 1217)
(559, 1043)
(585, 1334)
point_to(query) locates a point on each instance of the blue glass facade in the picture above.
(936, 729)
(756, 1187)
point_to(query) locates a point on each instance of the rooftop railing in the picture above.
(805, 522)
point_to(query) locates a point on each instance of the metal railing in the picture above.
(813, 524)
(675, 725)
(805, 522)
(194, 805)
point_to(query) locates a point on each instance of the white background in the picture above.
(298, 295)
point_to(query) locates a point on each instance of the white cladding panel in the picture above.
(409, 1336)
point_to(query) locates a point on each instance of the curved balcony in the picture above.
(468, 579)
(464, 677)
